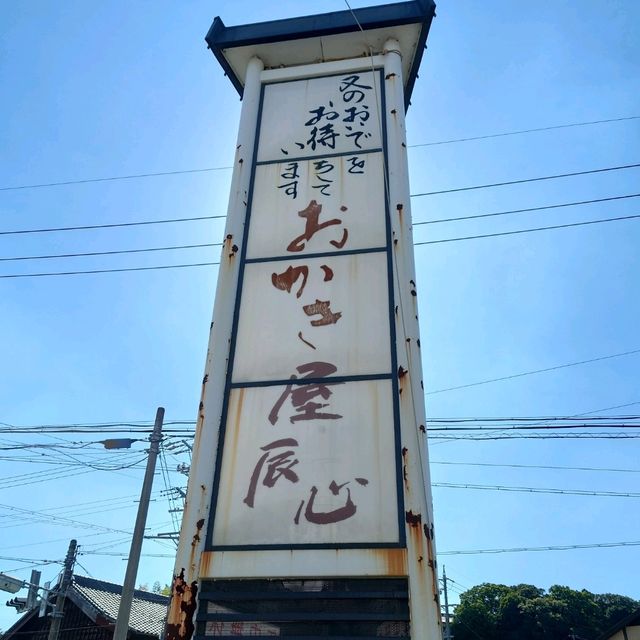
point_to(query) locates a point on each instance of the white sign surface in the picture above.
(304, 475)
(335, 308)
(321, 116)
(321, 205)
(310, 448)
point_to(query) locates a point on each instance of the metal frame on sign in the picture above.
(392, 375)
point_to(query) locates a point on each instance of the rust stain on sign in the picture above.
(200, 423)
(413, 519)
(405, 475)
(196, 537)
(206, 561)
(394, 561)
(428, 532)
(402, 374)
(182, 608)
(228, 247)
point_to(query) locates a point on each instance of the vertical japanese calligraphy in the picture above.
(321, 116)
(271, 472)
(310, 437)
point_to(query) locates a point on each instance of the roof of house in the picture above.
(631, 620)
(148, 610)
(100, 600)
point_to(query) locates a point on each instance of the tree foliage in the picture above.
(524, 612)
(156, 588)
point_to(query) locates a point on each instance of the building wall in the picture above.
(633, 633)
(75, 626)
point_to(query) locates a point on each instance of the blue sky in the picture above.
(94, 90)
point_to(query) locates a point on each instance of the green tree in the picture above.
(158, 588)
(524, 612)
(613, 608)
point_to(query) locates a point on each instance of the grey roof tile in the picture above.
(148, 610)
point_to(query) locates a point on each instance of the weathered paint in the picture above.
(305, 564)
(423, 585)
(269, 318)
(417, 560)
(357, 280)
(182, 608)
(187, 566)
(365, 426)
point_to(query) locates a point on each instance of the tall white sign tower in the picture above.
(308, 511)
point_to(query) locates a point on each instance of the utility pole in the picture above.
(124, 612)
(447, 625)
(58, 610)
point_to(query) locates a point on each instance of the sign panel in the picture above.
(321, 116)
(290, 198)
(301, 471)
(300, 310)
(309, 448)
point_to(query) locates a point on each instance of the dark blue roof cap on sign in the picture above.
(221, 38)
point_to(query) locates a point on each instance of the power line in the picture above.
(76, 273)
(199, 218)
(533, 466)
(114, 252)
(114, 178)
(100, 425)
(529, 373)
(565, 547)
(572, 418)
(99, 428)
(175, 432)
(552, 490)
(525, 180)
(535, 427)
(108, 226)
(550, 206)
(521, 131)
(75, 505)
(209, 245)
(617, 406)
(511, 233)
(143, 427)
(26, 521)
(12, 559)
(125, 555)
(225, 168)
(30, 566)
(54, 541)
(581, 435)
(46, 477)
(203, 264)
(60, 519)
(80, 509)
